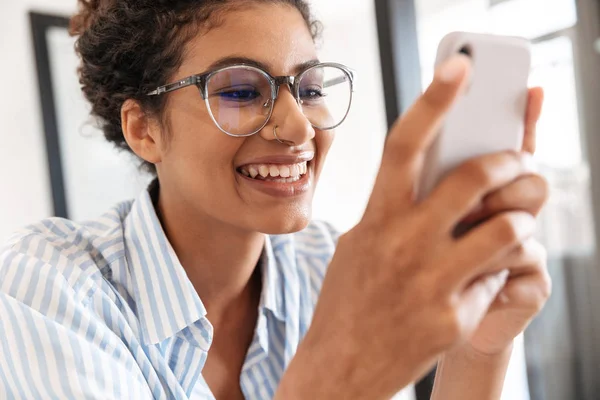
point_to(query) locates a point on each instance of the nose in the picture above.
(293, 128)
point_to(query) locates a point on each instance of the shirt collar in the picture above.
(165, 298)
(272, 297)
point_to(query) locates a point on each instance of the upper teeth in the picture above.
(275, 170)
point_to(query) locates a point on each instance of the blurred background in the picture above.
(54, 162)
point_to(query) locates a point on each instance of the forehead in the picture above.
(273, 34)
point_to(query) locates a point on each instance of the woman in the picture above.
(226, 102)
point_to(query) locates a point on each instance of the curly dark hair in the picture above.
(129, 47)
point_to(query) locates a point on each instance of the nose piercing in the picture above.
(275, 134)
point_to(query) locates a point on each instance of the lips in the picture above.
(280, 175)
(281, 172)
(278, 167)
(294, 158)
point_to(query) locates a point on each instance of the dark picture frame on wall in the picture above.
(87, 174)
(40, 23)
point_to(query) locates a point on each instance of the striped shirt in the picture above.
(104, 310)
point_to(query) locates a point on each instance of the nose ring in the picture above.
(275, 134)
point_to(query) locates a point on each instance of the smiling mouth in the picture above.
(275, 172)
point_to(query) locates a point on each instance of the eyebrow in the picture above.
(229, 61)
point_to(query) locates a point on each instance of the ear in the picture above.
(142, 134)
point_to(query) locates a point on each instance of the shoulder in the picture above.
(57, 249)
(51, 328)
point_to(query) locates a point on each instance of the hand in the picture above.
(401, 289)
(528, 193)
(529, 285)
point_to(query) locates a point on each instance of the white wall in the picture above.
(96, 176)
(24, 182)
(350, 37)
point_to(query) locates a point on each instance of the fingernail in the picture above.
(529, 163)
(452, 69)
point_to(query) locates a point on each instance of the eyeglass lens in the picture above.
(239, 98)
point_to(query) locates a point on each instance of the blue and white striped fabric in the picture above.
(104, 310)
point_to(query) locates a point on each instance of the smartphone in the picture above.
(489, 116)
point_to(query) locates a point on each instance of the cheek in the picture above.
(324, 140)
(199, 152)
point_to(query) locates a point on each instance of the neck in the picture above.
(219, 259)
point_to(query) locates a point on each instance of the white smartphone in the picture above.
(490, 114)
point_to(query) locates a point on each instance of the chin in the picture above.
(284, 223)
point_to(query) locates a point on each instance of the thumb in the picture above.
(478, 298)
(413, 133)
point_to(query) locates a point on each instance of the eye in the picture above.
(312, 93)
(239, 94)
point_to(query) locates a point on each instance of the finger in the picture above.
(529, 284)
(528, 194)
(532, 116)
(528, 293)
(527, 258)
(478, 298)
(413, 133)
(461, 192)
(486, 245)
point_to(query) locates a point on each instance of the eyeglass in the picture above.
(240, 98)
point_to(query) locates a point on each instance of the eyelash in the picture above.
(231, 94)
(318, 93)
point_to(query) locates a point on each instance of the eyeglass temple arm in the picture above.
(335, 81)
(189, 81)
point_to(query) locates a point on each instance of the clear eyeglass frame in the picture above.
(293, 82)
